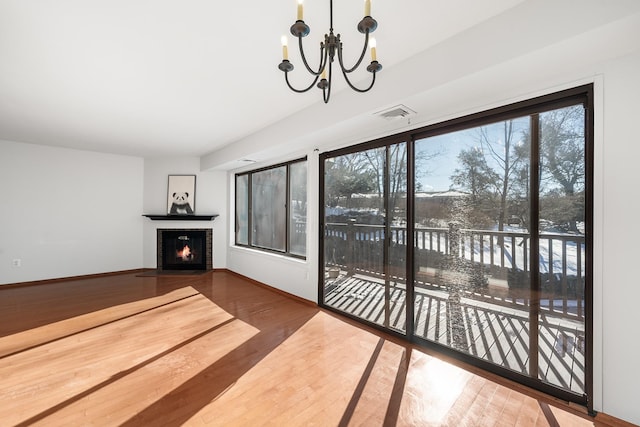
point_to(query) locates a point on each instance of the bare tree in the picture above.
(477, 178)
(507, 161)
(345, 176)
(396, 167)
(562, 152)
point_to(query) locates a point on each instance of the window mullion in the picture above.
(534, 246)
(287, 210)
(250, 210)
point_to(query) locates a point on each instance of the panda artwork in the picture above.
(181, 195)
(180, 205)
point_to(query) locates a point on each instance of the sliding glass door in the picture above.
(477, 288)
(470, 209)
(487, 256)
(364, 244)
(562, 247)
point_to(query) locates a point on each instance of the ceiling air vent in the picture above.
(397, 112)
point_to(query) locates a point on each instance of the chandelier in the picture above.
(328, 50)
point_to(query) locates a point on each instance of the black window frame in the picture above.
(249, 174)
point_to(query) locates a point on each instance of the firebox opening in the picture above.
(184, 249)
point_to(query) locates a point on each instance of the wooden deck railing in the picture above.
(497, 258)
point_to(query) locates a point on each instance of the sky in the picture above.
(435, 174)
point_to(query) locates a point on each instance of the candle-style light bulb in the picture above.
(300, 10)
(372, 43)
(367, 7)
(285, 50)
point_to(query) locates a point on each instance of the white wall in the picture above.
(211, 198)
(618, 290)
(68, 212)
(71, 213)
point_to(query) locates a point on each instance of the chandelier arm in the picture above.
(286, 78)
(326, 91)
(362, 54)
(326, 94)
(323, 58)
(373, 80)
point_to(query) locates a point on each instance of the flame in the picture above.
(185, 253)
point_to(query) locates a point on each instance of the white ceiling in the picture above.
(165, 77)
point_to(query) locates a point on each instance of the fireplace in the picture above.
(185, 249)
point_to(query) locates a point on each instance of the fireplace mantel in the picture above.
(159, 217)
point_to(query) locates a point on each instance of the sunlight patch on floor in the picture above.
(117, 356)
(432, 389)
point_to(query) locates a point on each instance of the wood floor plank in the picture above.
(218, 350)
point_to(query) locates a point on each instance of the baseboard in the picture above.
(71, 278)
(271, 288)
(149, 271)
(604, 420)
(143, 271)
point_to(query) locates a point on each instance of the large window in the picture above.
(473, 237)
(271, 208)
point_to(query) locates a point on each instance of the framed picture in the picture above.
(181, 195)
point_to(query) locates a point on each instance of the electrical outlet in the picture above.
(17, 262)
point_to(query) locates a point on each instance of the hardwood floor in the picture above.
(217, 349)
